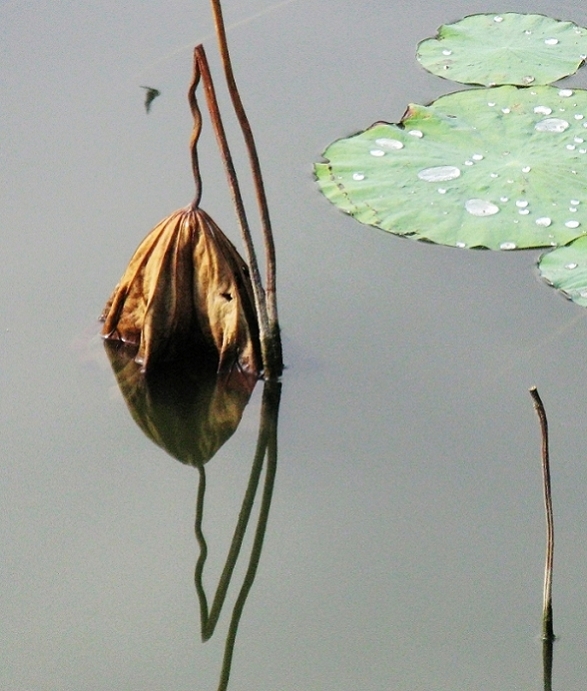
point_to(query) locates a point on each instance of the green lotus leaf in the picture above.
(566, 269)
(510, 48)
(502, 168)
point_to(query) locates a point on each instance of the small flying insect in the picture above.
(150, 96)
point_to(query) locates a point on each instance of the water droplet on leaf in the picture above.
(507, 246)
(551, 41)
(543, 110)
(439, 173)
(551, 125)
(544, 221)
(481, 207)
(572, 224)
(392, 144)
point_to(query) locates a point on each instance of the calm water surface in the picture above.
(404, 544)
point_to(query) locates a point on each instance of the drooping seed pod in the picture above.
(186, 292)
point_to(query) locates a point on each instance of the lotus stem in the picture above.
(202, 68)
(272, 350)
(547, 619)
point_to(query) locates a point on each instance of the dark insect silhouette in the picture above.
(150, 96)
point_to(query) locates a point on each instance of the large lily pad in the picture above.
(509, 48)
(566, 269)
(501, 168)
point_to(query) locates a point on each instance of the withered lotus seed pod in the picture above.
(186, 292)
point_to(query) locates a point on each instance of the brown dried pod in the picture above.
(186, 292)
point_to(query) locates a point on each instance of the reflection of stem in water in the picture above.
(266, 447)
(547, 657)
(209, 620)
(547, 624)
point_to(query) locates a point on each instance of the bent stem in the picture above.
(547, 620)
(196, 130)
(272, 348)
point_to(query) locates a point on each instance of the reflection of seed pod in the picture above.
(186, 291)
(188, 412)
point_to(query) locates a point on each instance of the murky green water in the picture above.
(404, 545)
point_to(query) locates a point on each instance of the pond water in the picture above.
(405, 541)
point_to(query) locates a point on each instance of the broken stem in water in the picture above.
(272, 348)
(547, 623)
